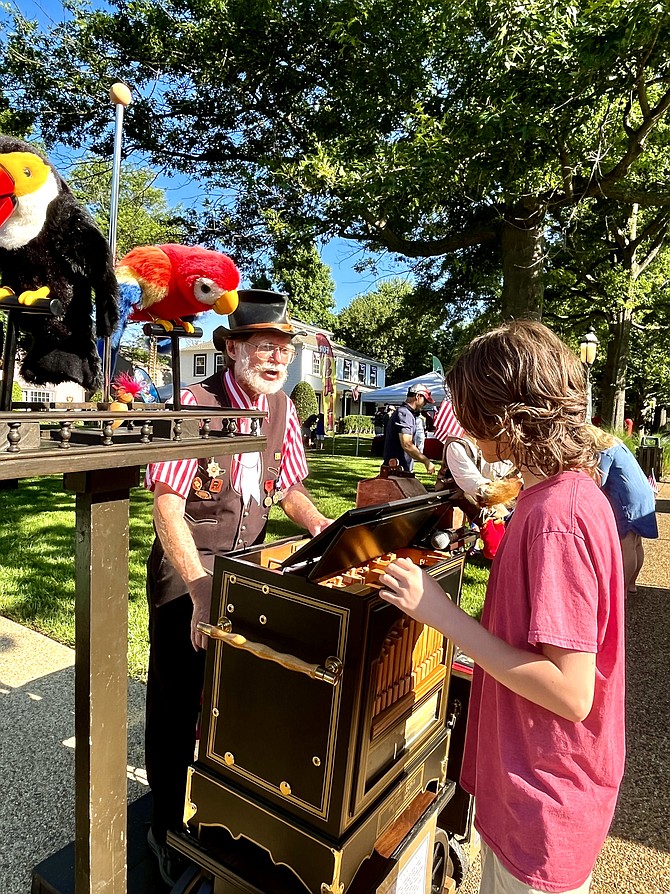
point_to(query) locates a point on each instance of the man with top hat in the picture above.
(208, 507)
(401, 431)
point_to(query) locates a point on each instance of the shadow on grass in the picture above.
(37, 551)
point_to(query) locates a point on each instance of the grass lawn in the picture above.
(37, 545)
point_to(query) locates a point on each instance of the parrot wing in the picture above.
(151, 269)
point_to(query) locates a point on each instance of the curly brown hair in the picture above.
(522, 387)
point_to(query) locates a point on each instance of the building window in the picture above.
(373, 375)
(218, 362)
(199, 364)
(346, 370)
(316, 363)
(362, 372)
(43, 397)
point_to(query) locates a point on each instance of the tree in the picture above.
(609, 269)
(398, 327)
(302, 274)
(144, 217)
(427, 132)
(304, 398)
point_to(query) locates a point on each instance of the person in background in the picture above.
(401, 430)
(420, 433)
(209, 507)
(320, 432)
(487, 490)
(380, 420)
(632, 500)
(545, 740)
(307, 431)
(464, 467)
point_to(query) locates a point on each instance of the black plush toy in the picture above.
(50, 246)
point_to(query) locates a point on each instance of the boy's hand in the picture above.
(413, 591)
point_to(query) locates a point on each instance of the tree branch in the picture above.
(426, 248)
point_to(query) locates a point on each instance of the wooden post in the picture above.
(101, 676)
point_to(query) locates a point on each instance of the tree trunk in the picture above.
(614, 374)
(522, 245)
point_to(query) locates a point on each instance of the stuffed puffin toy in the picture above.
(50, 247)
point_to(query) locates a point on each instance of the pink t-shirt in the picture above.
(545, 788)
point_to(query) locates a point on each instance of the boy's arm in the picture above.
(560, 680)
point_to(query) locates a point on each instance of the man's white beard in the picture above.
(252, 381)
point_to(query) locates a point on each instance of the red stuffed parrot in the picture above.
(176, 281)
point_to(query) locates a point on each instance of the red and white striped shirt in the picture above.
(178, 474)
(446, 423)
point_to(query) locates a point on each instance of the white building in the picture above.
(355, 372)
(66, 392)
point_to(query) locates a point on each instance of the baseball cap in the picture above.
(420, 389)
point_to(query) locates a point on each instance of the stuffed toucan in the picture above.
(50, 246)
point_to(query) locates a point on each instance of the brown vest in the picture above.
(445, 480)
(214, 512)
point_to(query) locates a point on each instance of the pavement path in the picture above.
(37, 751)
(37, 745)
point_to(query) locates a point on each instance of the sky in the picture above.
(340, 255)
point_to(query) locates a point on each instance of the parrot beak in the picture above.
(227, 303)
(8, 201)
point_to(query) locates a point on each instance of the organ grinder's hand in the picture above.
(201, 596)
(415, 592)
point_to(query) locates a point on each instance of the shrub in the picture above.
(17, 393)
(304, 398)
(352, 425)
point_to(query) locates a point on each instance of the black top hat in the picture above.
(258, 311)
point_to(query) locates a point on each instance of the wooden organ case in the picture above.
(324, 707)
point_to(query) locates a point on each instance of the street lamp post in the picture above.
(588, 348)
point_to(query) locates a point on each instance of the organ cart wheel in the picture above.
(459, 861)
(441, 862)
(450, 860)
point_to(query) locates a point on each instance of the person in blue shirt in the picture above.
(401, 430)
(632, 500)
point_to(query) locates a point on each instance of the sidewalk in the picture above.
(37, 751)
(37, 747)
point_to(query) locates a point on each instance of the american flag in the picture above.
(446, 424)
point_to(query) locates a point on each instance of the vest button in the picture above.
(243, 528)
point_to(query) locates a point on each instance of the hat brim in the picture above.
(424, 394)
(284, 328)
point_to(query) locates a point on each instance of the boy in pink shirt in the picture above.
(545, 748)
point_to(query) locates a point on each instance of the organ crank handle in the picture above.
(331, 673)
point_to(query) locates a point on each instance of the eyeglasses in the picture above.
(286, 353)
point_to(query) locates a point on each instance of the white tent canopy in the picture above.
(396, 394)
